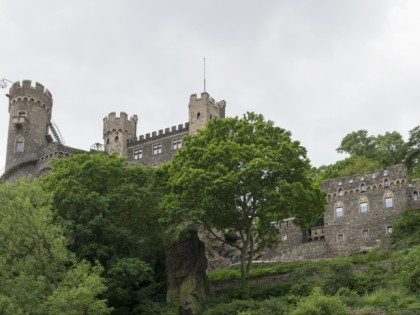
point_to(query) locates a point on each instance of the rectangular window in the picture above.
(19, 147)
(339, 212)
(365, 233)
(340, 237)
(389, 202)
(389, 229)
(176, 144)
(138, 154)
(157, 149)
(363, 207)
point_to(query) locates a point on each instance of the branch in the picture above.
(218, 237)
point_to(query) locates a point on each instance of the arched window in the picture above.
(107, 141)
(415, 196)
(340, 192)
(363, 187)
(116, 139)
(386, 183)
(19, 144)
(198, 115)
(284, 237)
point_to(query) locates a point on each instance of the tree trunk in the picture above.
(244, 270)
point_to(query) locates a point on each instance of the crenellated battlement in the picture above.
(162, 133)
(112, 117)
(206, 97)
(25, 90)
(394, 175)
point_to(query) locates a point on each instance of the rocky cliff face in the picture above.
(186, 265)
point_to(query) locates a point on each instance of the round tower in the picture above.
(30, 116)
(118, 131)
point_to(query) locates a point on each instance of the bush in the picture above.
(277, 306)
(393, 300)
(317, 303)
(407, 228)
(339, 275)
(232, 308)
(409, 269)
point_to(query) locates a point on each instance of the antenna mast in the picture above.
(204, 74)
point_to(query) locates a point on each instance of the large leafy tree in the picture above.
(378, 151)
(241, 175)
(110, 212)
(108, 207)
(37, 272)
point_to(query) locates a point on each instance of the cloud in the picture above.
(318, 68)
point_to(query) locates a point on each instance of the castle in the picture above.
(360, 209)
(33, 140)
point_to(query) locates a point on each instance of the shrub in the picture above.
(317, 303)
(277, 306)
(409, 269)
(232, 308)
(407, 228)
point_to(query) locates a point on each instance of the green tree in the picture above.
(412, 158)
(357, 143)
(240, 175)
(110, 212)
(37, 272)
(109, 208)
(126, 278)
(390, 148)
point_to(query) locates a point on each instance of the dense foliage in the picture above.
(238, 176)
(374, 152)
(39, 275)
(110, 213)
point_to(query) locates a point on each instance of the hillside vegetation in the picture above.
(378, 282)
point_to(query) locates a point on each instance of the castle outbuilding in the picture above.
(359, 215)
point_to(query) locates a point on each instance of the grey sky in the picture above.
(318, 68)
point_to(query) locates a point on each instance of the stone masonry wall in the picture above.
(163, 140)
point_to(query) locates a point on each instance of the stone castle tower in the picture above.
(30, 118)
(118, 131)
(30, 147)
(203, 109)
(159, 146)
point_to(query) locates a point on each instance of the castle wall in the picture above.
(354, 225)
(158, 147)
(359, 214)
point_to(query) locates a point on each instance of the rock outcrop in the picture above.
(186, 265)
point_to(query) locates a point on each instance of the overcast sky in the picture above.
(320, 69)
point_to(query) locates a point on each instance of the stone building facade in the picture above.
(159, 146)
(359, 215)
